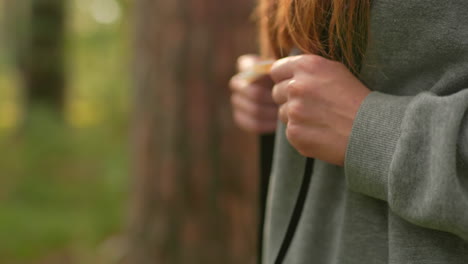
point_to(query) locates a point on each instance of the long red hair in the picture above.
(335, 29)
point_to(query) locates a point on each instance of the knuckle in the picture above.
(296, 88)
(310, 62)
(276, 94)
(316, 60)
(295, 110)
(293, 133)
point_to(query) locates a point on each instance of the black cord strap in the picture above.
(296, 215)
(267, 143)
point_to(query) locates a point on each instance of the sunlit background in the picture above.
(63, 184)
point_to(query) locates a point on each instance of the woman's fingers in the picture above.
(254, 116)
(259, 111)
(248, 123)
(283, 113)
(283, 69)
(255, 91)
(253, 106)
(286, 68)
(280, 92)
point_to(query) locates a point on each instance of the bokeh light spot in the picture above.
(105, 11)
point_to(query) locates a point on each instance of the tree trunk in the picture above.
(195, 197)
(44, 67)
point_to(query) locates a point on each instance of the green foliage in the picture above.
(63, 185)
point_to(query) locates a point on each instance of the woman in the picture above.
(379, 102)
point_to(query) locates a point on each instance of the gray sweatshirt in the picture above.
(402, 196)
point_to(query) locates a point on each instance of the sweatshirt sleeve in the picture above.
(412, 151)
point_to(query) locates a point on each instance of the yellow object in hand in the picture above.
(258, 70)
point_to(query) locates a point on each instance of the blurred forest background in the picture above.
(63, 164)
(116, 138)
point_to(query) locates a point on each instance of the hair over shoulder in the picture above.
(335, 29)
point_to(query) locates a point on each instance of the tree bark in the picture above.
(195, 192)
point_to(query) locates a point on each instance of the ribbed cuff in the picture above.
(372, 143)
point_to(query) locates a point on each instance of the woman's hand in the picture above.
(253, 106)
(318, 100)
